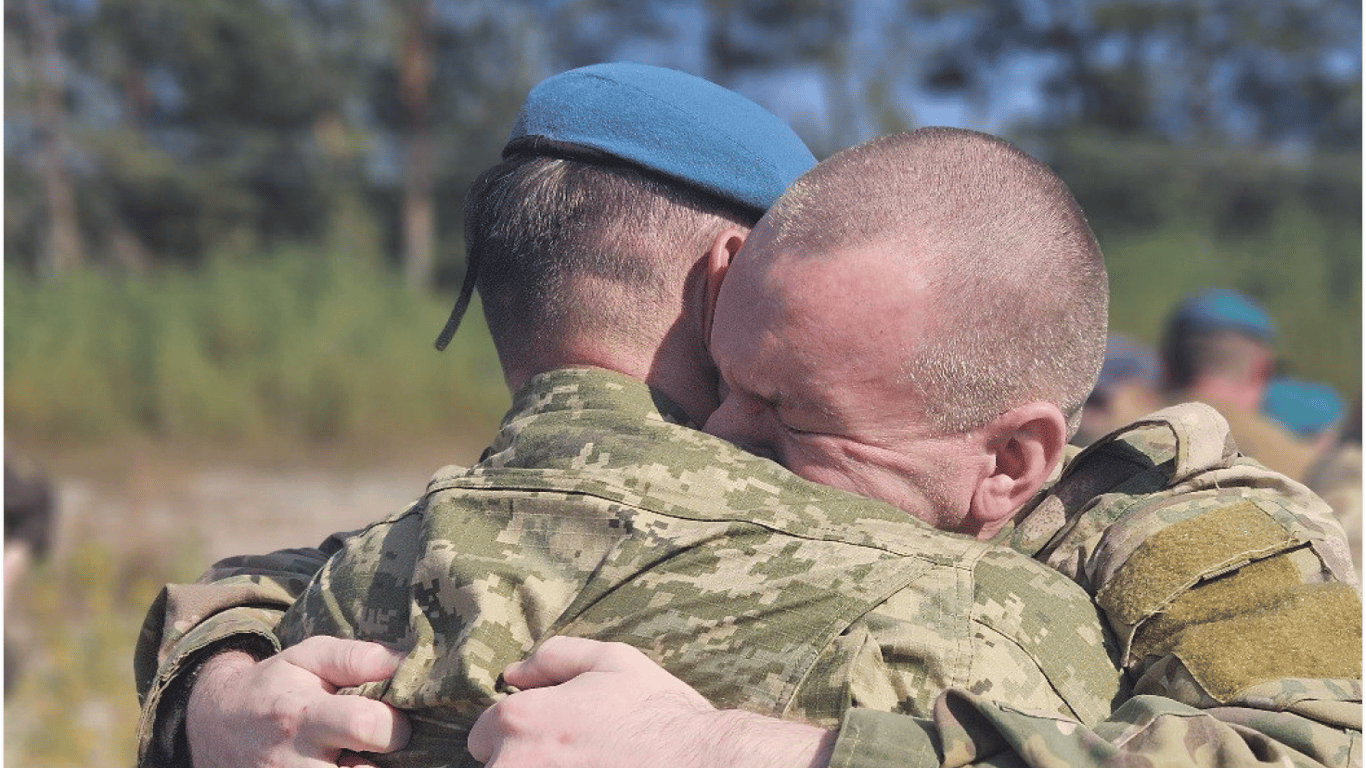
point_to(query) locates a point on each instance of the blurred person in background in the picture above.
(1218, 348)
(30, 508)
(1126, 390)
(1337, 476)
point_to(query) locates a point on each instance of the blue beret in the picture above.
(1305, 408)
(666, 121)
(1222, 308)
(1125, 359)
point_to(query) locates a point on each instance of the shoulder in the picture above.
(1029, 601)
(1035, 618)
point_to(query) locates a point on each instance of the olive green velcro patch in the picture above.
(1305, 631)
(1259, 586)
(1181, 554)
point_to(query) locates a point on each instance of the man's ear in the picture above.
(722, 252)
(1023, 444)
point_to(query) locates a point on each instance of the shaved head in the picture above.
(1016, 292)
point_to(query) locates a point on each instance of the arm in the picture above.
(1207, 566)
(617, 709)
(233, 608)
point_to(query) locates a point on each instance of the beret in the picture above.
(1305, 408)
(1125, 359)
(1222, 308)
(672, 123)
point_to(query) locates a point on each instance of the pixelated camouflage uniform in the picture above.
(1137, 481)
(592, 515)
(1336, 478)
(1230, 588)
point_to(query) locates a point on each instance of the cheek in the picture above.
(839, 464)
(921, 491)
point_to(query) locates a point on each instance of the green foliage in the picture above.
(1299, 270)
(298, 343)
(1174, 220)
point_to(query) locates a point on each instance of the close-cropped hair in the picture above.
(1017, 284)
(549, 232)
(1191, 352)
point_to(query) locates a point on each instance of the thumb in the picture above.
(560, 659)
(341, 662)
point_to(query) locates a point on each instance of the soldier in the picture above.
(1217, 348)
(1057, 517)
(1209, 602)
(594, 512)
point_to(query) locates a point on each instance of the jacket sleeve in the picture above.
(235, 605)
(969, 730)
(1230, 592)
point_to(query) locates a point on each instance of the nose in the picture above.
(741, 420)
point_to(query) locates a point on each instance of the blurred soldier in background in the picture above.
(1337, 475)
(29, 518)
(1218, 348)
(1126, 390)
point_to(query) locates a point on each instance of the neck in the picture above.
(685, 380)
(1247, 394)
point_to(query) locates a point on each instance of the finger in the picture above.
(355, 723)
(560, 659)
(343, 662)
(483, 737)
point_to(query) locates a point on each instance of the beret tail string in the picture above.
(461, 303)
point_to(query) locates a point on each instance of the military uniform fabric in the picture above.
(1336, 477)
(1081, 524)
(1260, 436)
(1230, 589)
(594, 516)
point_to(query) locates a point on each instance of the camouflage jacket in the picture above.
(1112, 499)
(1230, 589)
(594, 515)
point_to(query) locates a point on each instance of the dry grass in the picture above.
(137, 515)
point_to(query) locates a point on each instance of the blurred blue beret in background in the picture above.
(1305, 408)
(1125, 359)
(1223, 308)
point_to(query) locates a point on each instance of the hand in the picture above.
(283, 711)
(609, 706)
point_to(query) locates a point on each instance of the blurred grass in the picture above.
(1306, 275)
(296, 344)
(71, 625)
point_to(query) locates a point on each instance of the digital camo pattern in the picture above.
(1336, 478)
(1145, 470)
(595, 516)
(1232, 594)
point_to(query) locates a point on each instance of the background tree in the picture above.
(142, 133)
